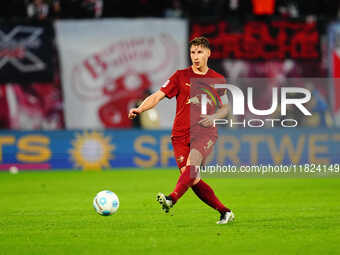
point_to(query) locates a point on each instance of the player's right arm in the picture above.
(169, 90)
(149, 102)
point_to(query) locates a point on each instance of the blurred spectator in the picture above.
(38, 9)
(311, 10)
(56, 7)
(240, 10)
(237, 8)
(287, 8)
(174, 9)
(92, 8)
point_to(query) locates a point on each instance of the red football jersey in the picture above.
(185, 85)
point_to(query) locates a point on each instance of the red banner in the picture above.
(260, 40)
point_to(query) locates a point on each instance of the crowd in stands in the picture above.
(43, 9)
(239, 10)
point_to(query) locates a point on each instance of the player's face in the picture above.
(199, 56)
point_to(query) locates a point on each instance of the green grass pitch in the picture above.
(51, 213)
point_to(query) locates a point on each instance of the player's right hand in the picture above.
(207, 121)
(133, 113)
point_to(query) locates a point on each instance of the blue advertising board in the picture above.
(92, 150)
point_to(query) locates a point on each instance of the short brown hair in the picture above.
(202, 41)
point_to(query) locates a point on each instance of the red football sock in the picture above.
(184, 182)
(207, 195)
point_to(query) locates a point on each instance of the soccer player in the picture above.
(192, 138)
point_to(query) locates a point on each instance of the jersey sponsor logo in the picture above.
(208, 145)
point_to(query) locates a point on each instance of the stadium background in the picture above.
(67, 85)
(71, 69)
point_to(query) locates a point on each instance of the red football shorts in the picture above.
(183, 145)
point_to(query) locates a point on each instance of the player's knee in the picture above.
(197, 180)
(195, 158)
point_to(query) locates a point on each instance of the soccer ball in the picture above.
(106, 203)
(13, 170)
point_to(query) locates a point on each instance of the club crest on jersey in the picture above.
(180, 159)
(196, 100)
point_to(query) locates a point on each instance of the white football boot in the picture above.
(165, 202)
(226, 217)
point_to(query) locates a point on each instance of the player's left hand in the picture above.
(207, 121)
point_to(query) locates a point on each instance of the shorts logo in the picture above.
(209, 144)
